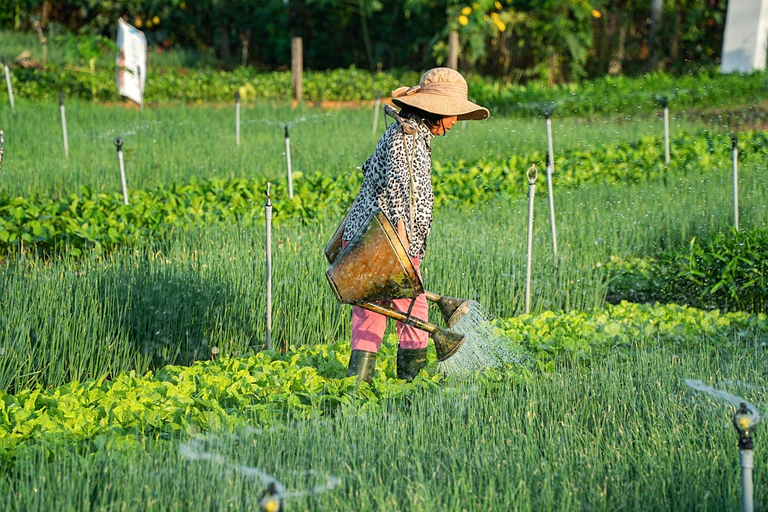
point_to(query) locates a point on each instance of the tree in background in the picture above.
(557, 40)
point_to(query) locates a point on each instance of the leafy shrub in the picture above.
(727, 271)
(610, 95)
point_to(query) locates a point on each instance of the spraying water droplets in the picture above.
(483, 347)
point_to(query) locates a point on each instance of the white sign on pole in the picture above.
(131, 62)
(746, 36)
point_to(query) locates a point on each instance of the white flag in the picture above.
(131, 62)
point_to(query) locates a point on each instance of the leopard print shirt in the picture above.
(386, 185)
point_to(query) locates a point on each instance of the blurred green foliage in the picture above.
(559, 40)
(725, 271)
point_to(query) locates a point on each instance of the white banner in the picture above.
(746, 36)
(131, 62)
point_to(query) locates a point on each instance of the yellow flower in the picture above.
(497, 4)
(156, 20)
(149, 23)
(466, 10)
(183, 5)
(137, 22)
(596, 13)
(463, 20)
(499, 24)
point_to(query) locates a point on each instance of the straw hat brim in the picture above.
(464, 110)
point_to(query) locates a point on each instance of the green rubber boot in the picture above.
(362, 363)
(410, 362)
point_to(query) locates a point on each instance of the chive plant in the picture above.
(622, 433)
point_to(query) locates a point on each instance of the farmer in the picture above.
(397, 181)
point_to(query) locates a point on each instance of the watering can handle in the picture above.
(402, 235)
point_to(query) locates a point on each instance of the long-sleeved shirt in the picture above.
(387, 183)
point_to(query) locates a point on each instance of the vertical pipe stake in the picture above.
(532, 175)
(8, 84)
(746, 460)
(268, 216)
(666, 132)
(550, 192)
(735, 153)
(119, 145)
(2, 152)
(237, 118)
(63, 125)
(288, 162)
(376, 113)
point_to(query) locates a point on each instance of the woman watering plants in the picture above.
(397, 181)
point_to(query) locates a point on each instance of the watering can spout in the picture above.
(447, 343)
(451, 308)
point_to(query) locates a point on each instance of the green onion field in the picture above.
(134, 373)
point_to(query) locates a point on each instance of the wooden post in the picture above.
(453, 50)
(297, 66)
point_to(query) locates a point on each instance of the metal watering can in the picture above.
(375, 266)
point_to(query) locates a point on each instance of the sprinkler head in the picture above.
(118, 143)
(61, 99)
(744, 421)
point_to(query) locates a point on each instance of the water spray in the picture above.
(8, 84)
(63, 125)
(237, 118)
(744, 421)
(2, 152)
(533, 175)
(119, 145)
(275, 493)
(268, 216)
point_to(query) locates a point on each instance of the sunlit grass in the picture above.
(173, 144)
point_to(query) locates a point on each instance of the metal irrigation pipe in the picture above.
(548, 118)
(735, 158)
(533, 175)
(237, 118)
(550, 171)
(665, 104)
(119, 145)
(744, 421)
(8, 84)
(268, 216)
(63, 125)
(288, 162)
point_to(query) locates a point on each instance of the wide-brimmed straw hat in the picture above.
(441, 91)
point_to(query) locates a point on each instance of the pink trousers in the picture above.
(368, 327)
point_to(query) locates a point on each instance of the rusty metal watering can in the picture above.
(375, 266)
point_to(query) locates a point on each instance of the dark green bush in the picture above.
(728, 271)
